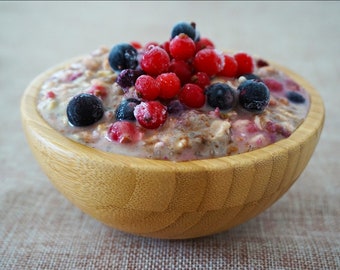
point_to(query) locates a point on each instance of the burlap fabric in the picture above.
(40, 229)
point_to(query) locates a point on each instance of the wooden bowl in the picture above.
(165, 199)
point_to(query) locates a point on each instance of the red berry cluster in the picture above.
(180, 68)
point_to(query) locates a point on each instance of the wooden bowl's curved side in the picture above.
(166, 199)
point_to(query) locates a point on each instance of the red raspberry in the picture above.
(230, 67)
(182, 69)
(273, 85)
(204, 43)
(201, 79)
(208, 61)
(245, 63)
(124, 132)
(182, 47)
(192, 96)
(155, 61)
(150, 114)
(147, 87)
(170, 85)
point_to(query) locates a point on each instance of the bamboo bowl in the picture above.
(164, 199)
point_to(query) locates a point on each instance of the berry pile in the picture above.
(178, 71)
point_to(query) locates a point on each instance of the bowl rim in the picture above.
(311, 126)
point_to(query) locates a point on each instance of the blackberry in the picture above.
(128, 77)
(220, 95)
(123, 56)
(84, 110)
(253, 96)
(125, 109)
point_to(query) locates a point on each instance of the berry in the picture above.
(201, 79)
(251, 76)
(124, 132)
(125, 109)
(136, 45)
(175, 107)
(230, 67)
(204, 43)
(155, 61)
(123, 56)
(147, 87)
(295, 97)
(183, 27)
(192, 96)
(128, 77)
(98, 90)
(84, 110)
(245, 63)
(151, 114)
(261, 63)
(182, 47)
(208, 61)
(253, 96)
(273, 85)
(170, 85)
(182, 69)
(220, 95)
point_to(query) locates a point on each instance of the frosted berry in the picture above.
(245, 63)
(155, 61)
(230, 67)
(253, 96)
(208, 61)
(220, 95)
(126, 108)
(84, 110)
(204, 43)
(151, 114)
(147, 87)
(170, 85)
(295, 97)
(251, 76)
(184, 27)
(124, 132)
(182, 69)
(192, 95)
(201, 79)
(128, 77)
(182, 47)
(123, 56)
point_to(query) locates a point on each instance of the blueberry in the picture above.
(123, 56)
(186, 28)
(251, 76)
(220, 95)
(128, 77)
(253, 96)
(84, 110)
(125, 109)
(295, 97)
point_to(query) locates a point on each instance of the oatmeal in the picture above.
(180, 100)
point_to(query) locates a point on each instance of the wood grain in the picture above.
(166, 199)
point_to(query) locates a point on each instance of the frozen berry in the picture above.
(220, 95)
(295, 97)
(230, 67)
(124, 132)
(184, 27)
(251, 76)
(155, 61)
(182, 69)
(98, 90)
(208, 61)
(128, 77)
(204, 43)
(245, 63)
(253, 96)
(84, 110)
(273, 85)
(151, 114)
(192, 95)
(182, 47)
(201, 79)
(147, 87)
(123, 56)
(170, 85)
(125, 109)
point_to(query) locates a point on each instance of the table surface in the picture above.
(40, 229)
